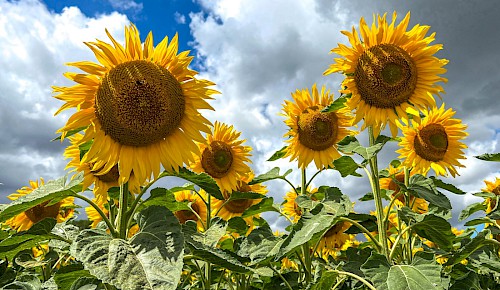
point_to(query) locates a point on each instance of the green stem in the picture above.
(375, 183)
(208, 267)
(305, 247)
(408, 200)
(133, 207)
(122, 213)
(363, 229)
(281, 276)
(291, 184)
(393, 250)
(357, 278)
(310, 180)
(111, 228)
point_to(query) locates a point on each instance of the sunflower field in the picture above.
(137, 117)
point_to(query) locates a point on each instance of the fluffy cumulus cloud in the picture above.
(258, 52)
(34, 45)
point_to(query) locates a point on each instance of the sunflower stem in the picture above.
(208, 266)
(305, 247)
(111, 228)
(370, 286)
(122, 213)
(408, 200)
(375, 183)
(364, 230)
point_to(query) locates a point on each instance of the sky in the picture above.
(257, 52)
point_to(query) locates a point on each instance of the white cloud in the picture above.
(34, 46)
(180, 18)
(124, 5)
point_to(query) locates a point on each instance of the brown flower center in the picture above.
(317, 131)
(139, 103)
(41, 211)
(385, 76)
(110, 177)
(238, 205)
(187, 215)
(431, 142)
(217, 159)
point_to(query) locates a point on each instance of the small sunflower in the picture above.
(434, 143)
(102, 181)
(335, 240)
(139, 105)
(223, 157)
(493, 187)
(61, 211)
(418, 205)
(389, 71)
(227, 210)
(197, 205)
(290, 207)
(313, 134)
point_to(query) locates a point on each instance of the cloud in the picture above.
(258, 52)
(34, 45)
(126, 5)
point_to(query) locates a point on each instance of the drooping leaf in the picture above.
(261, 244)
(270, 175)
(424, 188)
(486, 260)
(346, 166)
(469, 282)
(326, 281)
(355, 258)
(376, 268)
(152, 259)
(203, 180)
(447, 186)
(437, 230)
(366, 220)
(238, 225)
(278, 154)
(66, 276)
(55, 190)
(479, 221)
(469, 210)
(489, 157)
(351, 145)
(163, 197)
(265, 205)
(465, 251)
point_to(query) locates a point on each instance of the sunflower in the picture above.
(335, 240)
(493, 187)
(389, 71)
(290, 207)
(197, 204)
(61, 211)
(229, 209)
(102, 181)
(434, 143)
(139, 105)
(223, 157)
(418, 205)
(313, 134)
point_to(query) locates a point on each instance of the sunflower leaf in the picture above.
(447, 186)
(69, 133)
(351, 145)
(203, 180)
(152, 259)
(346, 166)
(278, 154)
(270, 175)
(25, 282)
(265, 205)
(469, 210)
(489, 157)
(261, 244)
(52, 190)
(424, 188)
(67, 276)
(473, 245)
(436, 229)
(163, 197)
(335, 105)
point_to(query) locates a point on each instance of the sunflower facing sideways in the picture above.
(335, 240)
(493, 187)
(102, 181)
(197, 204)
(313, 134)
(389, 71)
(61, 211)
(434, 143)
(139, 105)
(223, 157)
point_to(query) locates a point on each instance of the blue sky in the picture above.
(257, 52)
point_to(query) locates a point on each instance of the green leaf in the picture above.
(376, 268)
(66, 276)
(211, 236)
(52, 190)
(87, 283)
(152, 259)
(261, 244)
(335, 105)
(486, 261)
(270, 175)
(265, 205)
(424, 188)
(203, 180)
(489, 157)
(465, 251)
(367, 220)
(356, 258)
(437, 230)
(447, 186)
(469, 282)
(346, 166)
(334, 202)
(237, 224)
(479, 221)
(469, 210)
(25, 282)
(326, 281)
(351, 145)
(69, 133)
(278, 154)
(395, 163)
(368, 196)
(163, 197)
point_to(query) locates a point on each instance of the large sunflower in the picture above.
(102, 181)
(223, 157)
(61, 210)
(139, 105)
(197, 204)
(434, 143)
(313, 134)
(389, 71)
(229, 209)
(493, 187)
(418, 205)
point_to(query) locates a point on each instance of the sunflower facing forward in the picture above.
(389, 71)
(314, 134)
(61, 211)
(139, 104)
(434, 143)
(223, 157)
